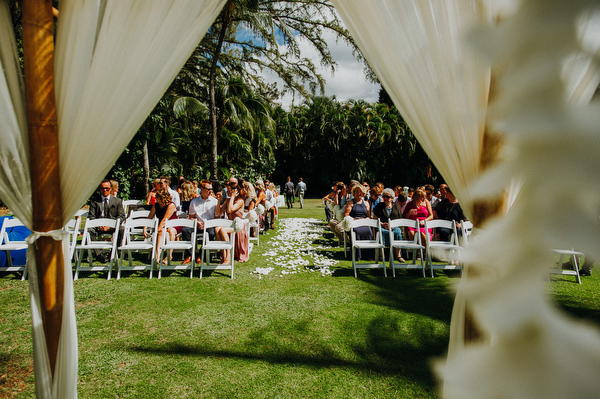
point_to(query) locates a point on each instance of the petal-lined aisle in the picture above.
(291, 250)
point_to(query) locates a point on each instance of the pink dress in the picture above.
(241, 252)
(422, 214)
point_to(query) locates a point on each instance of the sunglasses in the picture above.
(386, 196)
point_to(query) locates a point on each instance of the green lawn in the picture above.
(299, 335)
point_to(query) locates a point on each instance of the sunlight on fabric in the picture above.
(439, 87)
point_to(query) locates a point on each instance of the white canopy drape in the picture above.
(418, 51)
(114, 59)
(440, 88)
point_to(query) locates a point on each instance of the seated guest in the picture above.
(385, 211)
(233, 207)
(429, 191)
(114, 188)
(166, 184)
(340, 199)
(105, 206)
(327, 199)
(251, 197)
(202, 208)
(358, 208)
(401, 200)
(188, 193)
(449, 209)
(156, 185)
(164, 209)
(375, 196)
(418, 209)
(196, 186)
(273, 199)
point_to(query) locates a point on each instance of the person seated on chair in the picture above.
(250, 196)
(188, 193)
(418, 209)
(156, 185)
(166, 184)
(202, 208)
(109, 207)
(449, 209)
(385, 211)
(114, 188)
(340, 198)
(164, 209)
(271, 195)
(359, 208)
(233, 208)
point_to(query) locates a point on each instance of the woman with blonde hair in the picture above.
(188, 193)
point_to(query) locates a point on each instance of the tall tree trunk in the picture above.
(213, 70)
(146, 166)
(38, 54)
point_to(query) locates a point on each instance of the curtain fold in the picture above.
(114, 59)
(15, 186)
(437, 84)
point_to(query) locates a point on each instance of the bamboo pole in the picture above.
(38, 54)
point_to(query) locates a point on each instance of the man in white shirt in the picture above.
(202, 208)
(300, 189)
(166, 184)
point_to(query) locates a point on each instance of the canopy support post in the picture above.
(38, 52)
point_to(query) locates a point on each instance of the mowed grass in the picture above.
(297, 336)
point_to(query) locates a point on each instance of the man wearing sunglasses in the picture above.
(105, 206)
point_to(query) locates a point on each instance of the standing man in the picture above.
(109, 207)
(289, 193)
(202, 208)
(301, 189)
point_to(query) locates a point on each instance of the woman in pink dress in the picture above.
(418, 209)
(233, 207)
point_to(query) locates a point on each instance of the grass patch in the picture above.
(277, 336)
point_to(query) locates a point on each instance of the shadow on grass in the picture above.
(390, 347)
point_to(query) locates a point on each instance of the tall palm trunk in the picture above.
(213, 70)
(146, 166)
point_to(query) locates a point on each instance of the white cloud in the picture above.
(348, 81)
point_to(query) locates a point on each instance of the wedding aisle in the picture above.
(293, 250)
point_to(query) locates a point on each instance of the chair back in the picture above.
(172, 223)
(444, 224)
(404, 224)
(217, 223)
(134, 229)
(373, 223)
(142, 213)
(73, 226)
(93, 223)
(467, 229)
(9, 224)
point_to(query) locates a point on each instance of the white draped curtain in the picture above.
(114, 59)
(439, 81)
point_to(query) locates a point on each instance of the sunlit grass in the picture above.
(302, 335)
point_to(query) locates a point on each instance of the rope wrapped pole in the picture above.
(38, 53)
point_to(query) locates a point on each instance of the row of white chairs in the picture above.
(450, 248)
(134, 241)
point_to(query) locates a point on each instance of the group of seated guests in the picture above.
(200, 204)
(359, 200)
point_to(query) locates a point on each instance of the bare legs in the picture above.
(222, 234)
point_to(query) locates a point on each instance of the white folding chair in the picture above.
(88, 245)
(73, 227)
(449, 248)
(169, 245)
(139, 214)
(413, 245)
(576, 260)
(467, 229)
(209, 246)
(376, 244)
(134, 241)
(256, 226)
(129, 203)
(6, 244)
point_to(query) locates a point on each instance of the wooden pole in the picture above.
(38, 54)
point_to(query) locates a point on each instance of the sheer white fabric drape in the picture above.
(418, 52)
(415, 48)
(113, 61)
